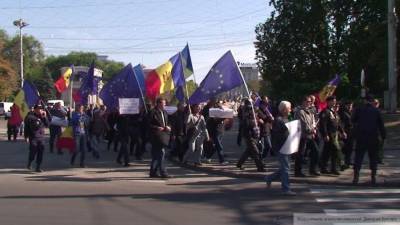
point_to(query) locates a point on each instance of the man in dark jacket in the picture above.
(345, 114)
(179, 131)
(160, 132)
(124, 130)
(251, 134)
(35, 124)
(265, 126)
(330, 128)
(369, 127)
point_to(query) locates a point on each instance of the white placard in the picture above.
(291, 144)
(221, 113)
(170, 109)
(128, 106)
(57, 121)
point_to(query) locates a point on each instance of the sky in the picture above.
(142, 31)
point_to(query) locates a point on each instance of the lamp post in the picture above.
(21, 24)
(392, 56)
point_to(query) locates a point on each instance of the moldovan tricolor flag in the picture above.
(63, 82)
(26, 98)
(66, 140)
(327, 91)
(159, 81)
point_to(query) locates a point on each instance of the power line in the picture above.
(88, 5)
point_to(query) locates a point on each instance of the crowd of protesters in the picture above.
(332, 140)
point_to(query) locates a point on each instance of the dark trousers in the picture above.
(112, 137)
(306, 144)
(252, 151)
(36, 148)
(330, 151)
(55, 133)
(135, 143)
(371, 146)
(12, 131)
(157, 160)
(80, 142)
(348, 150)
(123, 151)
(239, 135)
(180, 147)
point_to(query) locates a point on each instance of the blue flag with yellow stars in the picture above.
(122, 85)
(223, 76)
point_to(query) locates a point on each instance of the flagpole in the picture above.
(71, 84)
(183, 71)
(247, 90)
(194, 77)
(140, 89)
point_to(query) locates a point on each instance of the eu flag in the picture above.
(223, 76)
(178, 76)
(89, 86)
(122, 85)
(139, 73)
(31, 93)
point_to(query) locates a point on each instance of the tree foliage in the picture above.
(305, 43)
(55, 63)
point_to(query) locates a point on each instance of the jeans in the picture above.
(217, 139)
(55, 133)
(80, 142)
(282, 172)
(265, 146)
(157, 160)
(95, 140)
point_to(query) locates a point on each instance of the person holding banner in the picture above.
(279, 134)
(251, 134)
(196, 134)
(57, 114)
(159, 138)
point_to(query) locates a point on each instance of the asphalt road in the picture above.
(105, 193)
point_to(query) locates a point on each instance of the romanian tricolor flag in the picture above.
(159, 81)
(63, 82)
(66, 140)
(327, 91)
(26, 98)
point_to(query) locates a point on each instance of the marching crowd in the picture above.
(332, 139)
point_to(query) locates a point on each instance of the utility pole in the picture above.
(392, 56)
(21, 24)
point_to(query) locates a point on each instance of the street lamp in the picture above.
(21, 24)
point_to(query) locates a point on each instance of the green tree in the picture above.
(8, 76)
(55, 63)
(305, 43)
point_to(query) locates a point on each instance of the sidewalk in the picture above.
(388, 173)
